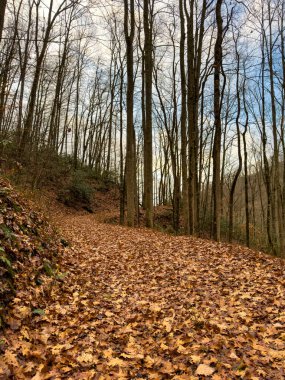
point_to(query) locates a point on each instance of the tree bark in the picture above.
(3, 4)
(237, 174)
(129, 18)
(185, 190)
(148, 175)
(218, 130)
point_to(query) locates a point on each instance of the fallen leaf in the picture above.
(195, 359)
(85, 358)
(11, 358)
(117, 362)
(205, 370)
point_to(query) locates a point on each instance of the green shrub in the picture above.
(78, 193)
(81, 191)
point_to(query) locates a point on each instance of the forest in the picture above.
(142, 189)
(182, 103)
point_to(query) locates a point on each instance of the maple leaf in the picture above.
(22, 311)
(277, 354)
(86, 358)
(43, 337)
(233, 355)
(149, 362)
(29, 367)
(4, 371)
(60, 347)
(108, 353)
(167, 323)
(11, 359)
(132, 355)
(133, 349)
(122, 375)
(38, 375)
(205, 370)
(155, 308)
(167, 367)
(217, 377)
(182, 350)
(116, 362)
(25, 347)
(66, 369)
(164, 346)
(195, 359)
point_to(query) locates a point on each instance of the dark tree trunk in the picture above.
(129, 18)
(218, 130)
(148, 69)
(3, 4)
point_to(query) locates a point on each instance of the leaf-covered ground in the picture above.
(28, 247)
(138, 304)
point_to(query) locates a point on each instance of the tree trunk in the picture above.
(148, 176)
(185, 191)
(129, 16)
(218, 131)
(3, 4)
(237, 174)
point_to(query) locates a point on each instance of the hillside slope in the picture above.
(141, 304)
(28, 247)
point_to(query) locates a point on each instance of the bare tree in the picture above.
(2, 15)
(217, 112)
(148, 69)
(129, 30)
(40, 55)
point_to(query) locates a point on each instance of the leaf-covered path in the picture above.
(141, 304)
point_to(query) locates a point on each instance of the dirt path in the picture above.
(141, 304)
